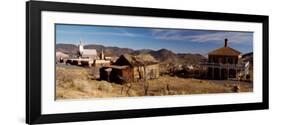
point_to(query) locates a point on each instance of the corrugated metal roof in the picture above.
(140, 60)
(117, 67)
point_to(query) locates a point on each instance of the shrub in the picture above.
(82, 85)
(105, 86)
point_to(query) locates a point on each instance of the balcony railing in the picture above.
(220, 65)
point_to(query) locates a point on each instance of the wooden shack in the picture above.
(131, 68)
(116, 74)
(223, 63)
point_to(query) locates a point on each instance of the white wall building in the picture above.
(86, 53)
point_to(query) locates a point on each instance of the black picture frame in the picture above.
(33, 61)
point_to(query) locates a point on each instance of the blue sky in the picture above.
(176, 40)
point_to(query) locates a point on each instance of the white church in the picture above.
(92, 55)
(86, 53)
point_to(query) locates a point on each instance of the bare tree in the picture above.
(168, 87)
(122, 90)
(146, 87)
(145, 83)
(129, 88)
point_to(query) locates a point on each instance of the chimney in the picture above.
(225, 42)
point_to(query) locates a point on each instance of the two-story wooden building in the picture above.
(223, 63)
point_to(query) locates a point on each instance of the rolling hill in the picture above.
(162, 55)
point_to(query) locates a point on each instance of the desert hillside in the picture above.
(73, 82)
(162, 55)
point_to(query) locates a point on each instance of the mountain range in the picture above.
(162, 55)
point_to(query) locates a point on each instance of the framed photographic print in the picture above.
(95, 62)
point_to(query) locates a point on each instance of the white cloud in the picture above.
(120, 33)
(204, 36)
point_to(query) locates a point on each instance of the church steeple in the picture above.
(80, 48)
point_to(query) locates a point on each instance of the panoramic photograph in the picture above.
(112, 61)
